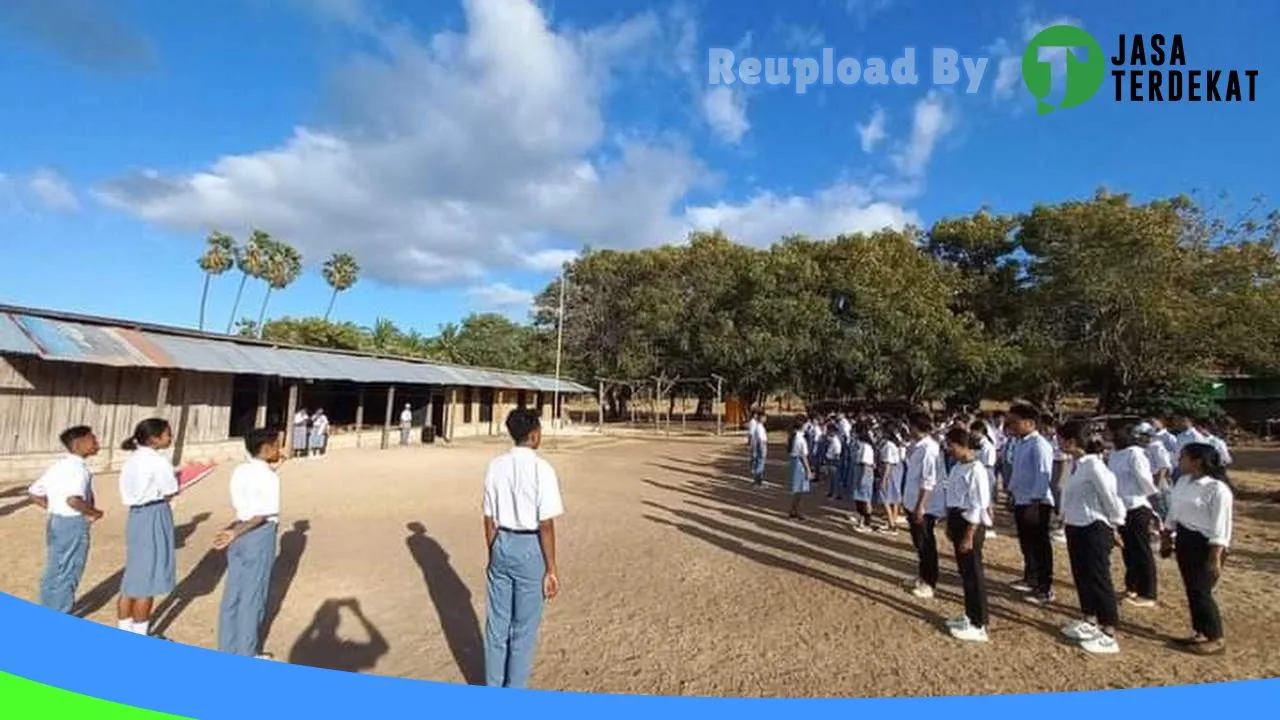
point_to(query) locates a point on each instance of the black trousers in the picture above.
(1193, 552)
(926, 545)
(1140, 576)
(1037, 546)
(972, 578)
(1089, 548)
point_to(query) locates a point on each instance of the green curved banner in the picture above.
(21, 699)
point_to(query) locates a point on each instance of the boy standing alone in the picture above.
(521, 502)
(65, 491)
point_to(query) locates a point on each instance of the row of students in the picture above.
(148, 485)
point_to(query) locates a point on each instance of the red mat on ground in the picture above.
(193, 473)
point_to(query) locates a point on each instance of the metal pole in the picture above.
(719, 409)
(555, 402)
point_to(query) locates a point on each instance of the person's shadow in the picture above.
(292, 544)
(452, 599)
(102, 593)
(202, 580)
(319, 646)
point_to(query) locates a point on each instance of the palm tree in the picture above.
(218, 257)
(341, 272)
(252, 263)
(384, 336)
(284, 265)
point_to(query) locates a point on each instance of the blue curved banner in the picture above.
(101, 662)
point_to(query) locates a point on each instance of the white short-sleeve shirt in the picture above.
(866, 453)
(255, 491)
(834, 447)
(147, 476)
(890, 453)
(65, 479)
(799, 446)
(521, 491)
(1203, 505)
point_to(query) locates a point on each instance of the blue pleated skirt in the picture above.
(891, 493)
(799, 478)
(863, 482)
(149, 568)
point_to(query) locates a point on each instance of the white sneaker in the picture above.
(970, 634)
(861, 529)
(1081, 631)
(991, 534)
(1102, 645)
(1140, 602)
(958, 623)
(1021, 586)
(1060, 537)
(922, 591)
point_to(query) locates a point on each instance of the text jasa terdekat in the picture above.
(1154, 69)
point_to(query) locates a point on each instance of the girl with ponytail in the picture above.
(147, 483)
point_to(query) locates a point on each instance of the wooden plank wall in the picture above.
(39, 399)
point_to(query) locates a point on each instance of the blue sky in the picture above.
(464, 148)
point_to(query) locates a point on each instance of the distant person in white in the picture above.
(521, 502)
(250, 542)
(920, 498)
(1198, 531)
(65, 491)
(1092, 514)
(320, 432)
(148, 483)
(1161, 466)
(301, 432)
(406, 424)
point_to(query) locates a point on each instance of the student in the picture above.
(1061, 469)
(1136, 485)
(1161, 466)
(1165, 437)
(521, 502)
(1224, 453)
(65, 491)
(921, 486)
(250, 542)
(832, 454)
(801, 471)
(1093, 515)
(759, 445)
(320, 432)
(1184, 433)
(888, 494)
(863, 474)
(1198, 531)
(968, 505)
(406, 424)
(813, 436)
(147, 485)
(1029, 483)
(301, 432)
(988, 458)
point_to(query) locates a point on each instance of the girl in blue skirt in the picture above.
(147, 484)
(863, 471)
(888, 490)
(801, 470)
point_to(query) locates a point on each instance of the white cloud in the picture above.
(864, 11)
(932, 118)
(54, 191)
(467, 153)
(873, 131)
(725, 110)
(800, 38)
(1009, 55)
(500, 296)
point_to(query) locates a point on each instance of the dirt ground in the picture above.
(676, 578)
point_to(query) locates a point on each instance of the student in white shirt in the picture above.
(759, 448)
(920, 497)
(406, 424)
(147, 484)
(1165, 437)
(968, 502)
(988, 457)
(301, 432)
(833, 452)
(319, 432)
(1093, 515)
(521, 503)
(1198, 531)
(863, 470)
(1161, 467)
(250, 542)
(801, 471)
(1217, 442)
(65, 491)
(888, 495)
(1136, 485)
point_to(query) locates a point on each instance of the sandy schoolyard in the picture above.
(677, 578)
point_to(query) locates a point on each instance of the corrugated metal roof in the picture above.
(56, 338)
(13, 339)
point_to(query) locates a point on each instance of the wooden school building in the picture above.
(58, 370)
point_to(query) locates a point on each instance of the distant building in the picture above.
(1253, 401)
(59, 369)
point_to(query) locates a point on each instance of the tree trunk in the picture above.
(235, 307)
(704, 406)
(262, 314)
(204, 298)
(332, 299)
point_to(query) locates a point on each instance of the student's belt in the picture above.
(149, 504)
(518, 532)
